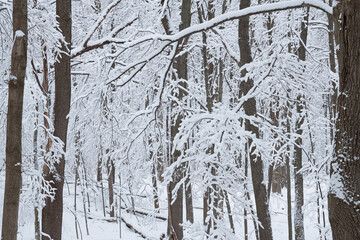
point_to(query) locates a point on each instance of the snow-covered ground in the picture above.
(100, 228)
(106, 228)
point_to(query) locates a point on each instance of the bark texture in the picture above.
(261, 197)
(344, 196)
(13, 179)
(52, 213)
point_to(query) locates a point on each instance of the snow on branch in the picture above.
(168, 39)
(230, 16)
(142, 62)
(259, 9)
(102, 17)
(111, 38)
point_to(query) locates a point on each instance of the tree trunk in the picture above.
(189, 201)
(153, 158)
(13, 180)
(111, 181)
(36, 167)
(99, 164)
(53, 211)
(279, 181)
(332, 99)
(344, 195)
(261, 198)
(99, 177)
(299, 185)
(288, 175)
(75, 201)
(175, 219)
(155, 187)
(277, 171)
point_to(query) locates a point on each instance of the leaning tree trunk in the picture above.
(344, 196)
(13, 179)
(261, 198)
(53, 211)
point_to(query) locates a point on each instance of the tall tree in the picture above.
(257, 171)
(13, 179)
(176, 207)
(53, 211)
(344, 196)
(299, 182)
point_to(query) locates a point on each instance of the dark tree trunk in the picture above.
(189, 196)
(189, 202)
(111, 181)
(155, 187)
(277, 172)
(288, 174)
(332, 64)
(288, 198)
(13, 179)
(36, 167)
(53, 211)
(176, 208)
(279, 178)
(261, 198)
(299, 183)
(228, 208)
(344, 196)
(99, 164)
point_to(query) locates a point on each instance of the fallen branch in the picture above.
(145, 213)
(131, 227)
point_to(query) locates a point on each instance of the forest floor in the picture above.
(106, 228)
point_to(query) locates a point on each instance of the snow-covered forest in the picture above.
(180, 119)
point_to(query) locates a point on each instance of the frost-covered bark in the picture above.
(344, 196)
